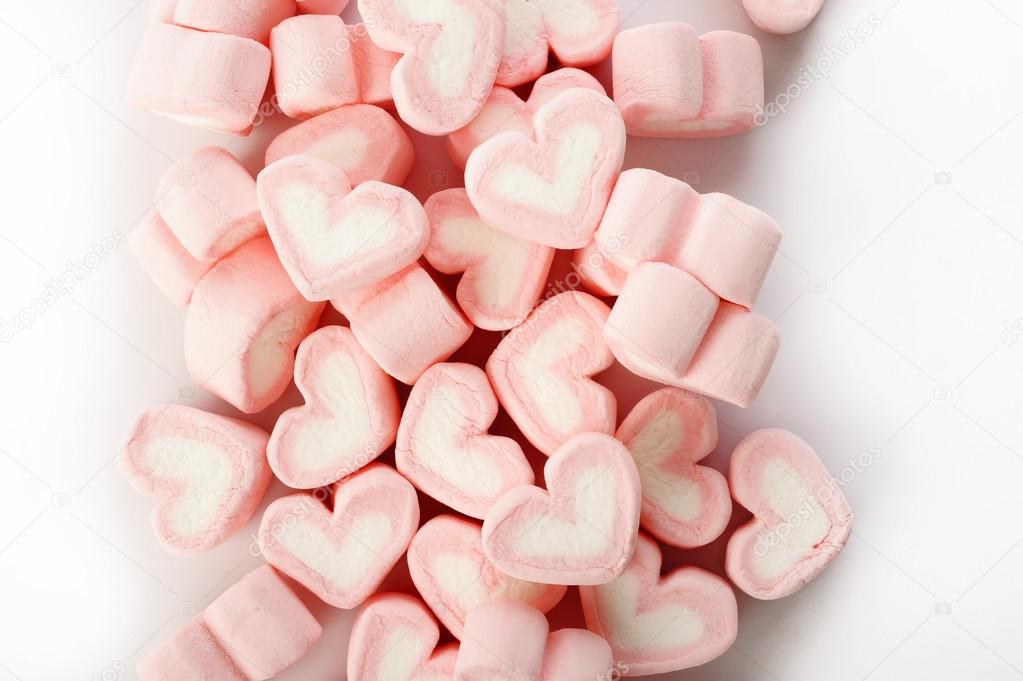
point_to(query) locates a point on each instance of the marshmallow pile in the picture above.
(393, 413)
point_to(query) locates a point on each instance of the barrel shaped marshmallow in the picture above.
(597, 271)
(551, 189)
(671, 82)
(363, 141)
(243, 325)
(334, 7)
(577, 655)
(344, 555)
(452, 50)
(668, 433)
(542, 372)
(173, 269)
(801, 520)
(582, 528)
(350, 416)
(208, 80)
(454, 576)
(656, 624)
(191, 652)
(251, 19)
(313, 65)
(209, 201)
(209, 473)
(503, 275)
(782, 16)
(443, 445)
(374, 66)
(504, 641)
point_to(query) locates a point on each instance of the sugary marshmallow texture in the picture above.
(504, 641)
(343, 556)
(333, 239)
(577, 655)
(173, 269)
(334, 7)
(597, 271)
(553, 188)
(209, 473)
(452, 50)
(672, 82)
(801, 519)
(246, 18)
(363, 141)
(668, 433)
(454, 576)
(350, 416)
(542, 371)
(503, 275)
(656, 624)
(313, 65)
(443, 445)
(782, 16)
(582, 528)
(242, 326)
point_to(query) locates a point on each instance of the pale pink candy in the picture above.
(173, 269)
(503, 275)
(406, 323)
(452, 49)
(209, 201)
(671, 82)
(162, 11)
(578, 655)
(656, 624)
(597, 271)
(363, 141)
(542, 371)
(191, 652)
(801, 520)
(246, 18)
(242, 326)
(503, 641)
(209, 473)
(782, 16)
(454, 576)
(374, 66)
(552, 190)
(524, 55)
(333, 239)
(668, 433)
(504, 111)
(394, 638)
(344, 555)
(581, 529)
(313, 65)
(321, 6)
(208, 80)
(443, 445)
(350, 416)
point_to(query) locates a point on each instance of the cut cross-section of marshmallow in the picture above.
(551, 189)
(452, 50)
(503, 641)
(208, 471)
(542, 371)
(597, 271)
(242, 326)
(454, 576)
(313, 65)
(578, 655)
(668, 433)
(173, 269)
(801, 519)
(333, 239)
(343, 556)
(350, 417)
(364, 141)
(661, 624)
(582, 529)
(246, 18)
(444, 448)
(782, 16)
(503, 275)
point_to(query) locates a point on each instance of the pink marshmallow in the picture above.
(782, 16)
(313, 65)
(208, 80)
(443, 445)
(524, 56)
(406, 323)
(801, 520)
(243, 325)
(333, 239)
(350, 416)
(581, 529)
(597, 272)
(191, 652)
(334, 7)
(452, 49)
(173, 269)
(503, 641)
(344, 555)
(671, 82)
(209, 473)
(552, 190)
(452, 573)
(656, 624)
(503, 275)
(363, 141)
(577, 655)
(542, 372)
(374, 66)
(668, 433)
(162, 11)
(251, 19)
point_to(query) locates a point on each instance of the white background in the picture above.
(897, 181)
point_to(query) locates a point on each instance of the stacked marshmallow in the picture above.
(256, 260)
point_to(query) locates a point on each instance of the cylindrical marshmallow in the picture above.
(246, 18)
(173, 269)
(334, 7)
(782, 16)
(313, 68)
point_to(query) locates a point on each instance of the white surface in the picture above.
(897, 181)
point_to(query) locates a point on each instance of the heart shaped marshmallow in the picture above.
(578, 655)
